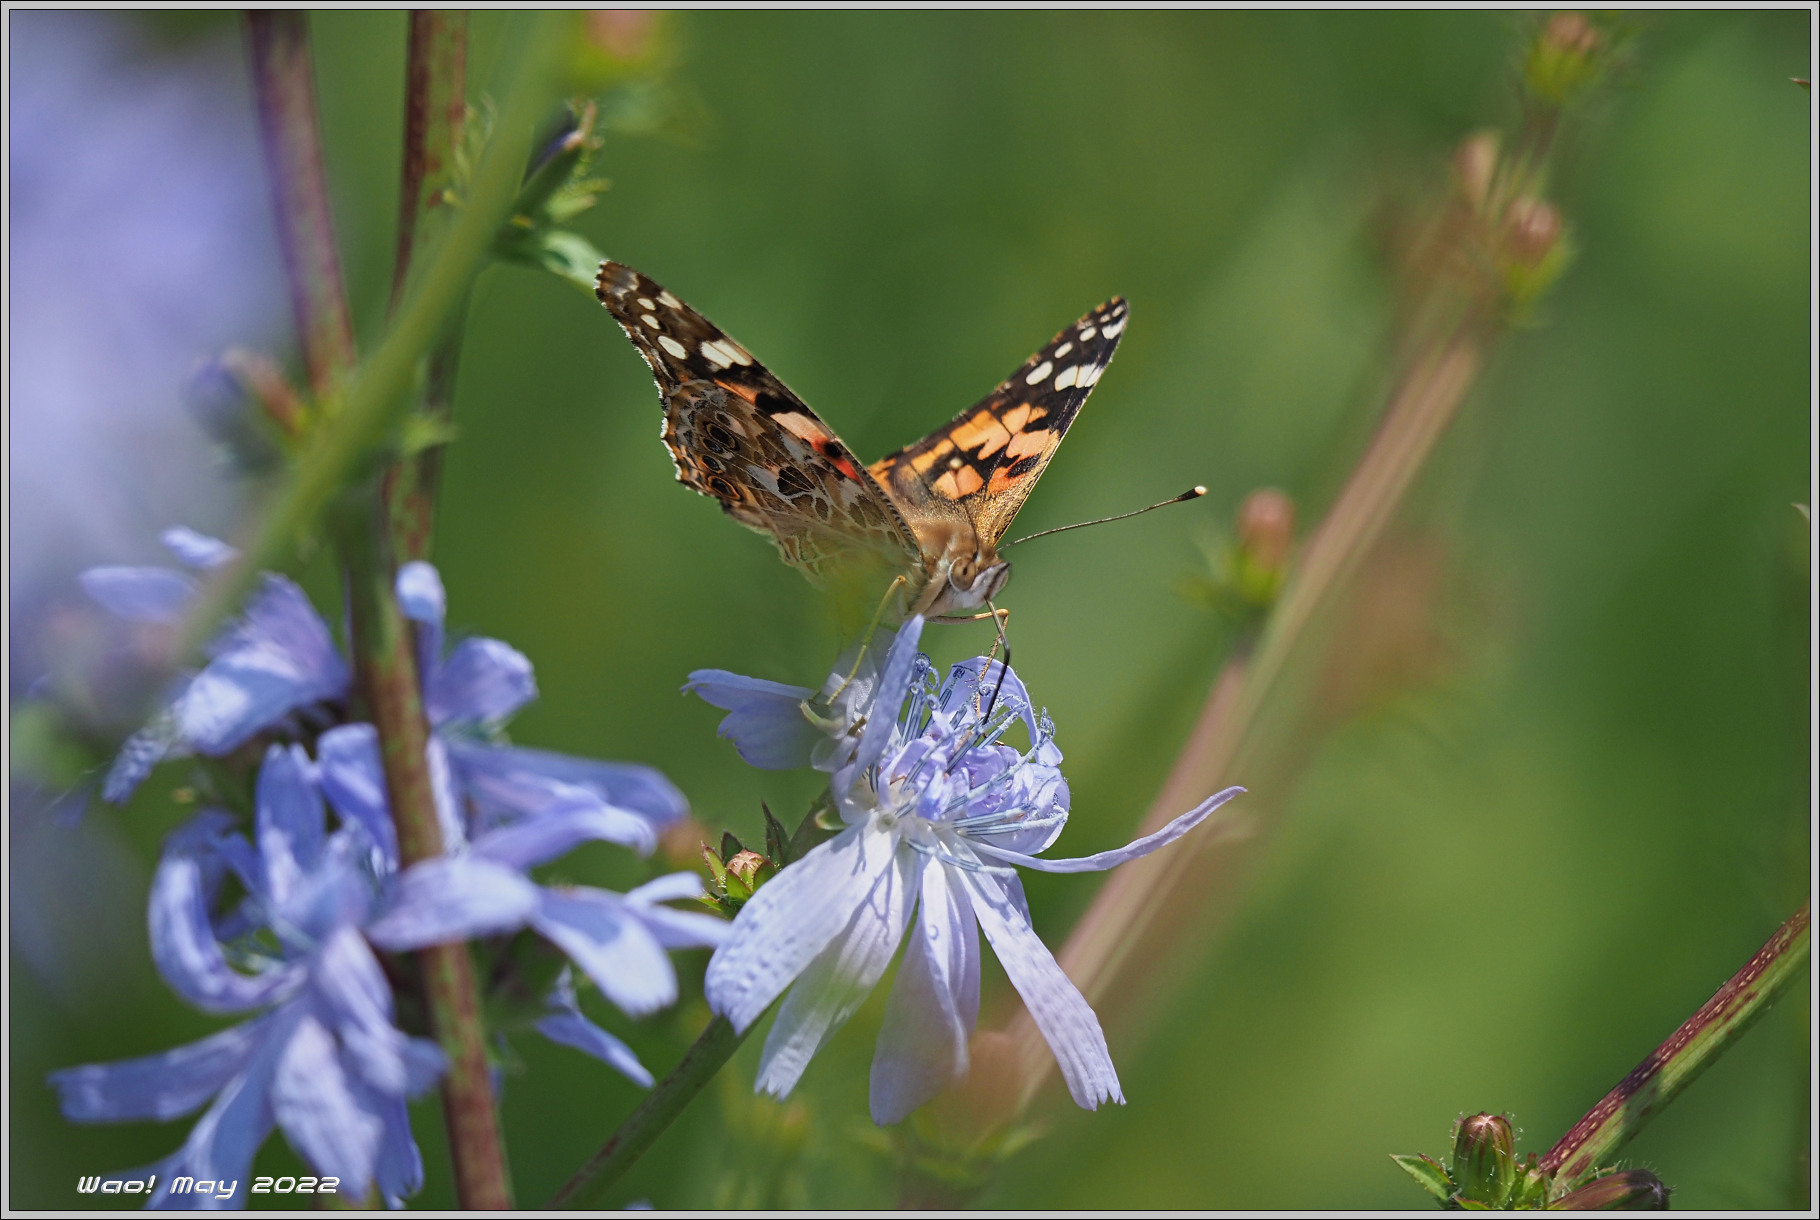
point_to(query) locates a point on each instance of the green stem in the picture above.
(671, 1096)
(1689, 1051)
(380, 392)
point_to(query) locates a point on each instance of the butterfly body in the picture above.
(933, 513)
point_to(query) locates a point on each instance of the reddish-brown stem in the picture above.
(385, 664)
(1690, 1050)
(279, 41)
(435, 110)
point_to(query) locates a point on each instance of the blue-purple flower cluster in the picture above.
(287, 922)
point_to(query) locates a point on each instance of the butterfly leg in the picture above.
(999, 619)
(866, 640)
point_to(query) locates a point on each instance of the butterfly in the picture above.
(933, 512)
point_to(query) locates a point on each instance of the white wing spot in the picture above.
(646, 303)
(669, 300)
(724, 352)
(1087, 333)
(672, 346)
(1112, 329)
(1039, 372)
(1064, 349)
(1067, 376)
(651, 321)
(1089, 376)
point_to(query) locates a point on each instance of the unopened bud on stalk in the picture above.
(1476, 162)
(1532, 229)
(1484, 1164)
(1564, 57)
(1267, 527)
(1633, 1190)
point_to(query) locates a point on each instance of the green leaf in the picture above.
(1427, 1173)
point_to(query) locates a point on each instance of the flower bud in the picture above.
(1564, 57)
(1633, 1190)
(1267, 527)
(1532, 229)
(751, 868)
(1475, 162)
(1484, 1158)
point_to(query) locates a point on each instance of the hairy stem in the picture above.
(653, 1116)
(1690, 1050)
(435, 111)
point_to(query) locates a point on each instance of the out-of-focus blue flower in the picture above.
(276, 660)
(323, 1062)
(938, 808)
(505, 810)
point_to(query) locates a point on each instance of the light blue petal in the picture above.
(420, 593)
(677, 929)
(764, 720)
(140, 595)
(289, 819)
(482, 680)
(199, 551)
(278, 658)
(1117, 856)
(445, 791)
(837, 982)
(610, 945)
(512, 782)
(420, 597)
(1061, 1013)
(893, 686)
(685, 929)
(452, 899)
(352, 777)
(221, 1145)
(319, 1114)
(545, 836)
(162, 1086)
(399, 1172)
(142, 751)
(187, 954)
(792, 918)
(355, 999)
(572, 1029)
(671, 887)
(934, 1005)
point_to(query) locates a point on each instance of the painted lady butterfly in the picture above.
(934, 512)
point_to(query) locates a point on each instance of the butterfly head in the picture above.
(965, 579)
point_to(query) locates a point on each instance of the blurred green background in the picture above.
(1569, 794)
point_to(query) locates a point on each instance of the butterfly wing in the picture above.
(983, 464)
(737, 434)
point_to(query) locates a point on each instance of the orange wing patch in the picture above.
(985, 461)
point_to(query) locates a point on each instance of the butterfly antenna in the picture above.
(866, 640)
(1193, 493)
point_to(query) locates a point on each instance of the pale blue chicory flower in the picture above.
(937, 810)
(323, 1062)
